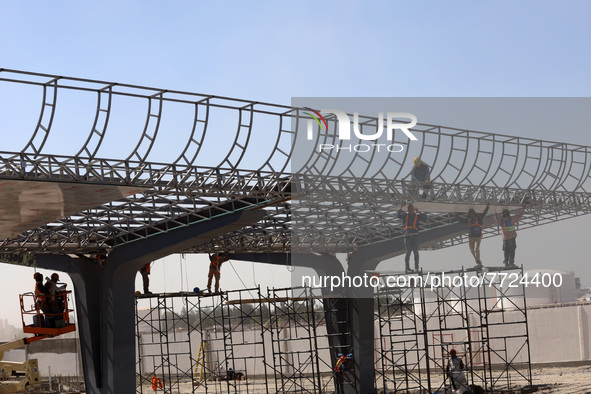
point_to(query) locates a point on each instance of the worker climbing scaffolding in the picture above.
(343, 362)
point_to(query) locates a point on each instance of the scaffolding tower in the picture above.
(481, 315)
(250, 341)
(239, 341)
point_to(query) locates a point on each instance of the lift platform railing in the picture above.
(46, 315)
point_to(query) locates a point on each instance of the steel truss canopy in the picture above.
(190, 157)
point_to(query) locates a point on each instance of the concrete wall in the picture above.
(65, 364)
(560, 334)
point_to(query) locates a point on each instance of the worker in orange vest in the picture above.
(41, 299)
(145, 271)
(410, 230)
(215, 265)
(507, 223)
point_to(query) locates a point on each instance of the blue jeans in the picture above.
(411, 244)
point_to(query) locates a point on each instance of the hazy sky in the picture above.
(272, 51)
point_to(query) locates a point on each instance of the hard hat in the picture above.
(37, 276)
(416, 160)
(196, 290)
(55, 276)
(452, 351)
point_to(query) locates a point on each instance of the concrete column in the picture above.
(105, 297)
(357, 309)
(86, 277)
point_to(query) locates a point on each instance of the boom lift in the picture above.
(43, 325)
(9, 369)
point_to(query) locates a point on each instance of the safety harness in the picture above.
(474, 227)
(414, 225)
(216, 263)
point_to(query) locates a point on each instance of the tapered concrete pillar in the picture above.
(361, 300)
(105, 297)
(86, 277)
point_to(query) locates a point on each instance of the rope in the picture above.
(164, 276)
(182, 275)
(186, 271)
(254, 278)
(289, 266)
(236, 272)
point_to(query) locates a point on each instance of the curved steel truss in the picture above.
(342, 201)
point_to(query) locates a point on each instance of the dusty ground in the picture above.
(563, 379)
(548, 380)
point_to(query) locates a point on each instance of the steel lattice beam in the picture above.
(334, 211)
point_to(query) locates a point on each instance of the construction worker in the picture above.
(410, 230)
(39, 286)
(509, 234)
(41, 300)
(145, 271)
(475, 222)
(420, 175)
(455, 372)
(55, 298)
(343, 361)
(215, 265)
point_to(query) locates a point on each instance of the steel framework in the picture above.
(234, 179)
(272, 342)
(419, 325)
(339, 207)
(277, 342)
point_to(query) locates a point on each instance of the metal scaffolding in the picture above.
(486, 324)
(238, 341)
(247, 341)
(102, 212)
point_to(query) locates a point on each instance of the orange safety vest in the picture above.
(215, 264)
(474, 227)
(38, 291)
(40, 296)
(414, 224)
(507, 225)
